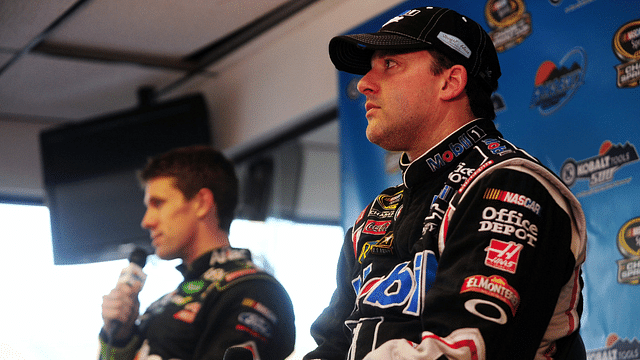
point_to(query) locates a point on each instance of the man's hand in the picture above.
(120, 309)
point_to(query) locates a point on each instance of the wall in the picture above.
(258, 92)
(287, 81)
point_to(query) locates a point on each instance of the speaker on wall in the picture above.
(255, 189)
(270, 182)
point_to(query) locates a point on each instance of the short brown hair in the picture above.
(197, 167)
(479, 100)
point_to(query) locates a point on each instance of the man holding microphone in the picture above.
(225, 301)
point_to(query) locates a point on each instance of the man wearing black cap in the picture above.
(478, 253)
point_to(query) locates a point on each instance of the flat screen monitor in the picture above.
(90, 175)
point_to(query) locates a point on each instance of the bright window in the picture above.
(51, 312)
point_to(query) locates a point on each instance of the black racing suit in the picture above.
(476, 255)
(224, 301)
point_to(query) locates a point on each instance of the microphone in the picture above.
(133, 276)
(237, 353)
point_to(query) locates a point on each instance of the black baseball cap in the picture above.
(456, 36)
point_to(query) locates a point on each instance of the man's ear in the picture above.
(204, 202)
(455, 82)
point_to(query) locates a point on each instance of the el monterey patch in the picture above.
(494, 286)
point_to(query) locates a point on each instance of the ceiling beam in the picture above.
(193, 64)
(228, 44)
(43, 34)
(98, 54)
(217, 50)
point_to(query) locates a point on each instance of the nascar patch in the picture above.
(512, 198)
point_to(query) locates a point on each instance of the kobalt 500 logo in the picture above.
(617, 348)
(600, 169)
(555, 85)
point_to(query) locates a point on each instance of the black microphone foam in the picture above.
(237, 353)
(138, 256)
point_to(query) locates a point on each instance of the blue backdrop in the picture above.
(568, 95)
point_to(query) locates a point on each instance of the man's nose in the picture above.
(147, 222)
(366, 85)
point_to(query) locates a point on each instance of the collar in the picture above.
(211, 259)
(446, 154)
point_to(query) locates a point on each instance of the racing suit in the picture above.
(476, 255)
(224, 301)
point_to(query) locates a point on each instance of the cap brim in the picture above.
(352, 53)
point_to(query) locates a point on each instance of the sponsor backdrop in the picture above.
(568, 95)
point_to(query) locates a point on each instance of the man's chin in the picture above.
(372, 135)
(378, 139)
(163, 255)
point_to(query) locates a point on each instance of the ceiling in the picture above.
(64, 60)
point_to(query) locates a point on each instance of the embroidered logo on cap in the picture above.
(413, 12)
(455, 43)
